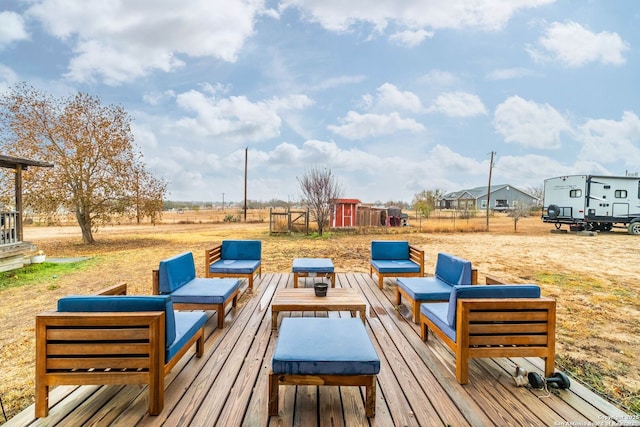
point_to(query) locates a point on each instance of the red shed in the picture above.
(345, 213)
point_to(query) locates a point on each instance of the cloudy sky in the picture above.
(394, 96)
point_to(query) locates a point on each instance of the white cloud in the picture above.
(11, 28)
(530, 124)
(8, 78)
(359, 126)
(410, 38)
(509, 73)
(611, 141)
(390, 98)
(120, 41)
(458, 104)
(439, 78)
(340, 15)
(236, 118)
(573, 45)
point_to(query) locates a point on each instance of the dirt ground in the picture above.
(594, 279)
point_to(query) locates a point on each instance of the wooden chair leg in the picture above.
(221, 313)
(370, 403)
(416, 311)
(42, 401)
(273, 394)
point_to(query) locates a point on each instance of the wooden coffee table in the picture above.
(304, 299)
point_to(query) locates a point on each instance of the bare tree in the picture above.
(320, 190)
(522, 210)
(426, 201)
(98, 171)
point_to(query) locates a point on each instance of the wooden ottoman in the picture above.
(324, 351)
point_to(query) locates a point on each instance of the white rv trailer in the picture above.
(590, 202)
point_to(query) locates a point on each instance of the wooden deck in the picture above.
(416, 384)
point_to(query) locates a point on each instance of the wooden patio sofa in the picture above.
(450, 271)
(487, 321)
(176, 276)
(234, 258)
(112, 338)
(395, 258)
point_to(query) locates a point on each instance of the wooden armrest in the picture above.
(117, 289)
(417, 255)
(212, 254)
(492, 280)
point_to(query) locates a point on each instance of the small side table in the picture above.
(313, 267)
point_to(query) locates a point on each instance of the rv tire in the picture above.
(553, 211)
(634, 228)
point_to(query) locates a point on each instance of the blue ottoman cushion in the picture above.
(318, 265)
(323, 346)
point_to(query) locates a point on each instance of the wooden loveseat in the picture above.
(234, 258)
(487, 321)
(176, 276)
(113, 339)
(450, 271)
(395, 258)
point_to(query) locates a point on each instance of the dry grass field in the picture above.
(594, 279)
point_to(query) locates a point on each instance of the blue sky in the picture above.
(393, 96)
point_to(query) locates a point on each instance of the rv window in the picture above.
(607, 187)
(575, 193)
(621, 194)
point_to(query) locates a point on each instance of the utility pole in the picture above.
(222, 202)
(245, 182)
(489, 188)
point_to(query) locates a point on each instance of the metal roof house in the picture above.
(12, 248)
(502, 197)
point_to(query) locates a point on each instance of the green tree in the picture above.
(98, 170)
(320, 190)
(426, 201)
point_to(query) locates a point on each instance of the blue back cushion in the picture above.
(175, 272)
(488, 291)
(241, 249)
(453, 270)
(123, 303)
(389, 249)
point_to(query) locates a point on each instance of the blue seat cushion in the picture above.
(241, 249)
(123, 303)
(187, 324)
(395, 266)
(437, 313)
(174, 272)
(319, 265)
(453, 270)
(241, 266)
(324, 346)
(389, 249)
(488, 291)
(425, 288)
(205, 291)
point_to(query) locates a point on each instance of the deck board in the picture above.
(416, 386)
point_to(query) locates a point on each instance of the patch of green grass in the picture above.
(569, 281)
(47, 272)
(594, 376)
